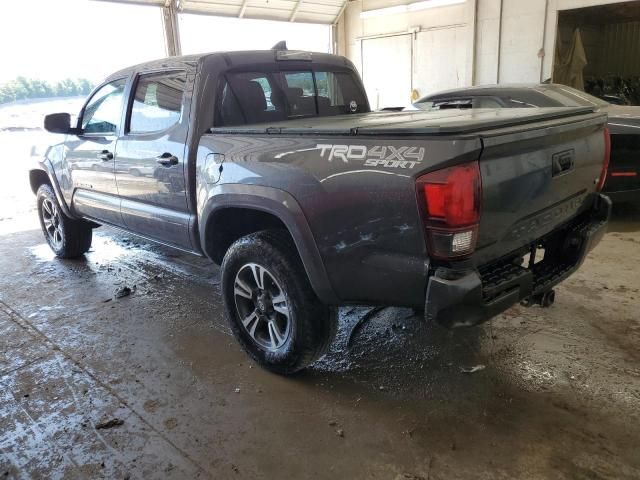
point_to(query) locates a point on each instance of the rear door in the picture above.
(150, 159)
(90, 155)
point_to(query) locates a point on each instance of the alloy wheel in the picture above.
(262, 306)
(52, 222)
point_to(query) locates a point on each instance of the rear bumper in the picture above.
(457, 299)
(625, 196)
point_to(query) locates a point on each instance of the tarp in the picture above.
(568, 67)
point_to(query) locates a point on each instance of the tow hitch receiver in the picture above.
(544, 299)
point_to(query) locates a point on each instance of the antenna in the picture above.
(281, 45)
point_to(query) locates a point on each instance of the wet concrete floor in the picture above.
(152, 385)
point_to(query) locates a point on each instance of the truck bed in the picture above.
(441, 122)
(371, 195)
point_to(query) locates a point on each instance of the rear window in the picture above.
(260, 97)
(570, 97)
(445, 104)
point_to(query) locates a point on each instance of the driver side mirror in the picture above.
(57, 123)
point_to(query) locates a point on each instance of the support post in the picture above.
(171, 29)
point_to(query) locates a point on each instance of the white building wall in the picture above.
(427, 33)
(498, 41)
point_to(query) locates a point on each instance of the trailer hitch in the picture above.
(544, 299)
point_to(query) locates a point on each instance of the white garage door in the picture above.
(386, 70)
(440, 59)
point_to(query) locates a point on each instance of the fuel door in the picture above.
(213, 167)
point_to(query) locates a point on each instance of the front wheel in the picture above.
(68, 238)
(271, 307)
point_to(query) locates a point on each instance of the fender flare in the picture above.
(46, 167)
(283, 206)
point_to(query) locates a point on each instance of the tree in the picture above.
(22, 88)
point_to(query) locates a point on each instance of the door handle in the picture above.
(105, 155)
(167, 159)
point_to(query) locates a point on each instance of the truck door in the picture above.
(150, 159)
(90, 155)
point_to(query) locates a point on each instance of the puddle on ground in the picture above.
(42, 252)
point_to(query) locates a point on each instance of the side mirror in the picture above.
(57, 123)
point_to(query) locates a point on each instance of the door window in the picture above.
(103, 111)
(157, 103)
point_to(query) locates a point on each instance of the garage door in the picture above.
(386, 70)
(440, 59)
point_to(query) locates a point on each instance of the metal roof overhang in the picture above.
(325, 12)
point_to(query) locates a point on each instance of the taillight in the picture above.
(451, 207)
(607, 157)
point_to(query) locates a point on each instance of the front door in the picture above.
(90, 155)
(150, 160)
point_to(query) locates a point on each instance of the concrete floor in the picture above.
(559, 396)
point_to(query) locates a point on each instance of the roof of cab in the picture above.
(238, 58)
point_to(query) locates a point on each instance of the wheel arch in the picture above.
(37, 178)
(233, 211)
(43, 176)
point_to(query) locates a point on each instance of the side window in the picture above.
(157, 102)
(452, 103)
(486, 102)
(103, 111)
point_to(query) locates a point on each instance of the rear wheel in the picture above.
(271, 307)
(68, 238)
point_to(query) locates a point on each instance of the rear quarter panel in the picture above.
(364, 217)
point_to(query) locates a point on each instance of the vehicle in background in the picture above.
(623, 178)
(271, 164)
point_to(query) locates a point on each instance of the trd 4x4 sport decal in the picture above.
(376, 156)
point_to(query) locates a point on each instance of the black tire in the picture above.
(311, 325)
(68, 238)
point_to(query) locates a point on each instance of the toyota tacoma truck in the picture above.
(271, 164)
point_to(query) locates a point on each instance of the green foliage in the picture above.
(21, 88)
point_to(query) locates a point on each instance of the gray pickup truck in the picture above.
(271, 164)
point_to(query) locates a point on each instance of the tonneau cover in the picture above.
(410, 122)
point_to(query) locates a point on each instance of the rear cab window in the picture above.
(246, 98)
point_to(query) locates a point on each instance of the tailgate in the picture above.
(535, 178)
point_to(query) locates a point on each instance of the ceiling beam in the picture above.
(292, 18)
(171, 29)
(243, 8)
(337, 19)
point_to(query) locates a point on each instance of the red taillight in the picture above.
(452, 209)
(607, 157)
